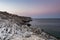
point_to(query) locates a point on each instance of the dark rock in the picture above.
(28, 24)
(19, 19)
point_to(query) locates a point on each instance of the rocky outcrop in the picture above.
(15, 18)
(13, 27)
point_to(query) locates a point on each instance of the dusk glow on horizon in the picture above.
(32, 8)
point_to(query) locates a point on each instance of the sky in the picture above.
(32, 8)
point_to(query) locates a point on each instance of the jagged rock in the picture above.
(13, 27)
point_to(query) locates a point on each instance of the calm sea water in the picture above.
(51, 26)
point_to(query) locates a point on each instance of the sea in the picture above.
(49, 25)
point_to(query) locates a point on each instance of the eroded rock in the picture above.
(13, 27)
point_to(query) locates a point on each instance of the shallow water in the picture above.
(51, 26)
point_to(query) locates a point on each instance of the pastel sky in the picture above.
(32, 8)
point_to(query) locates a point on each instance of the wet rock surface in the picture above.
(13, 27)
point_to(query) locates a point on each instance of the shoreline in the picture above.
(18, 27)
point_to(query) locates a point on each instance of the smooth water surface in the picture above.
(51, 26)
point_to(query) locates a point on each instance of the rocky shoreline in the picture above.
(13, 27)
